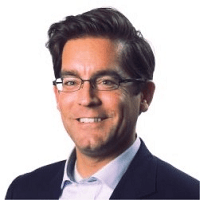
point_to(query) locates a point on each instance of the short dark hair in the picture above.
(136, 57)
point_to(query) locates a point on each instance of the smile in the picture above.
(90, 120)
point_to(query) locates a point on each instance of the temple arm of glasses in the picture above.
(54, 82)
(133, 80)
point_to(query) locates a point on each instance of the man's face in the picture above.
(99, 122)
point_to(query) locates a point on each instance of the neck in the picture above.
(89, 165)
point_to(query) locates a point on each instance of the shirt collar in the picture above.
(69, 168)
(118, 167)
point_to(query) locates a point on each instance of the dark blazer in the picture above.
(147, 177)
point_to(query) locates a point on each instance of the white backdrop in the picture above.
(31, 132)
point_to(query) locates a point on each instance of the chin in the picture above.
(96, 149)
(93, 147)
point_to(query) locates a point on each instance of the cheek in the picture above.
(64, 104)
(132, 101)
(115, 105)
(129, 106)
(113, 101)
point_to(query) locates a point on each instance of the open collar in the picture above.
(139, 180)
(118, 166)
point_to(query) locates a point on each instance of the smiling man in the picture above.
(100, 111)
(104, 70)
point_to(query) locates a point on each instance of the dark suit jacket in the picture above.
(146, 178)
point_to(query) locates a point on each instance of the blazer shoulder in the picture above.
(167, 171)
(44, 172)
(36, 179)
(148, 177)
(171, 179)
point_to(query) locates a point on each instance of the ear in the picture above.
(147, 96)
(57, 95)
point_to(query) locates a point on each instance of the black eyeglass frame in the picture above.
(93, 85)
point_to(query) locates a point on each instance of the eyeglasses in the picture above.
(104, 83)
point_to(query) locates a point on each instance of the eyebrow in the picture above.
(68, 73)
(95, 75)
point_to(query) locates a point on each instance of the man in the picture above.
(104, 70)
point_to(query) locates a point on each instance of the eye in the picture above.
(108, 82)
(67, 82)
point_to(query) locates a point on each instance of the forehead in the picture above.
(91, 54)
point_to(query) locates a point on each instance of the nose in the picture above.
(87, 95)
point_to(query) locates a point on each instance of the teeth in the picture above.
(89, 120)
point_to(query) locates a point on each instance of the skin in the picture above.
(97, 143)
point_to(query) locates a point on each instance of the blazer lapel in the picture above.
(52, 189)
(139, 181)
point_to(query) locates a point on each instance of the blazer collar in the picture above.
(139, 181)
